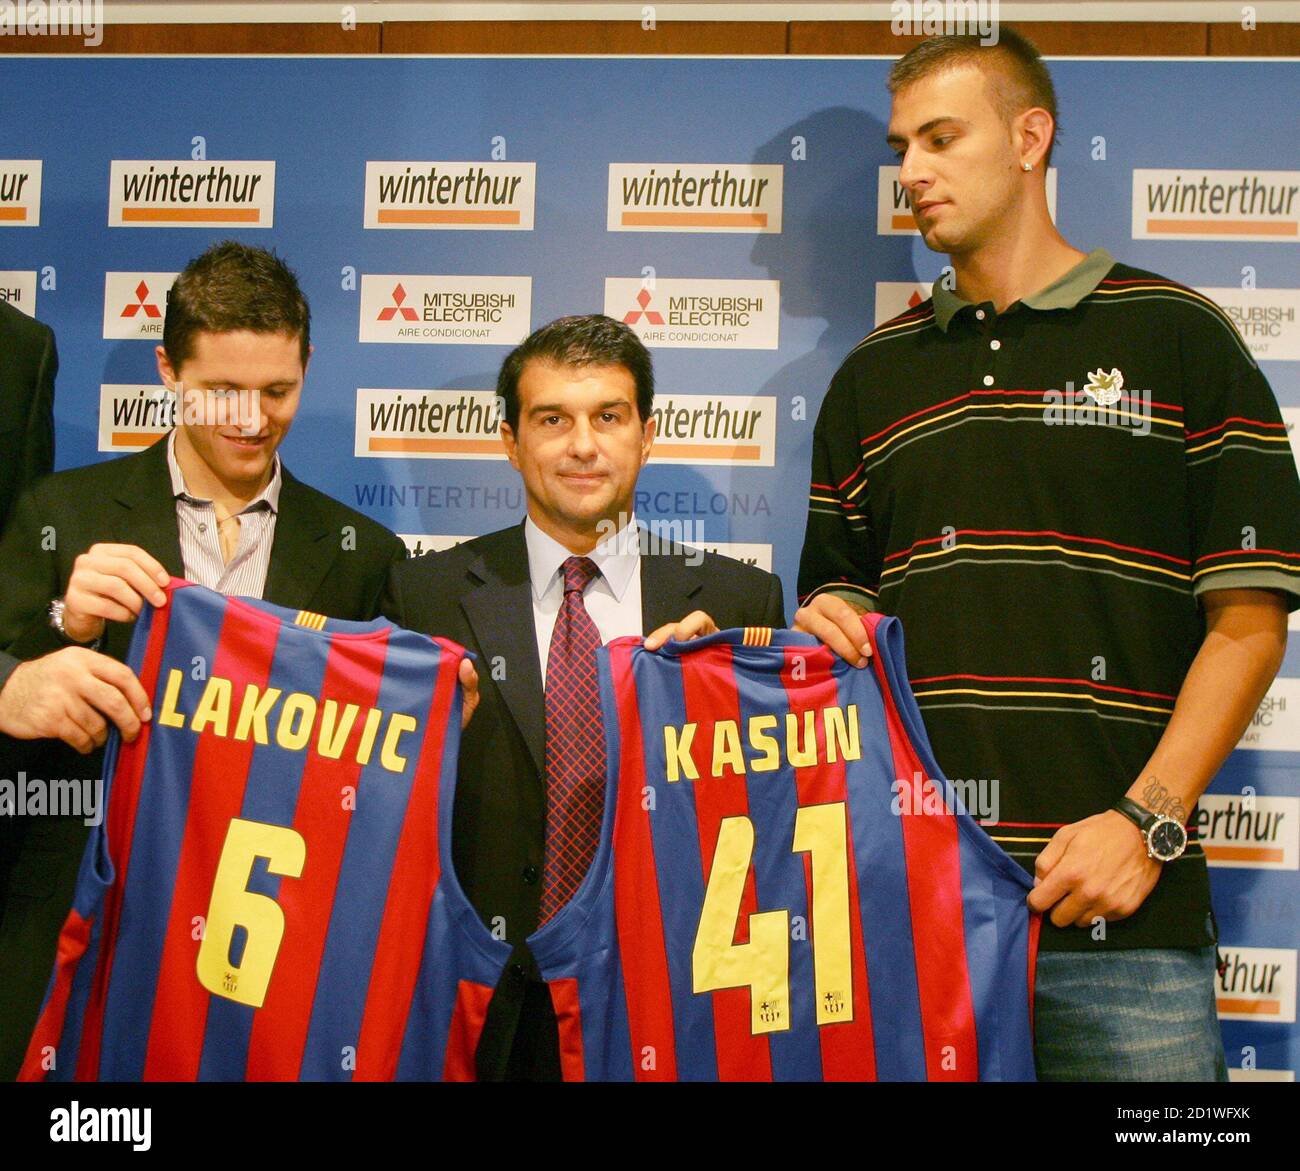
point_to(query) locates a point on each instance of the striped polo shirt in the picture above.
(1041, 495)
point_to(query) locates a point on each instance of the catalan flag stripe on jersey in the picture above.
(270, 896)
(787, 887)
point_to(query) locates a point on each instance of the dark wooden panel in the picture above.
(1053, 38)
(1268, 40)
(740, 38)
(726, 38)
(184, 39)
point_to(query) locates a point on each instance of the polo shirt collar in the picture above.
(1063, 293)
(616, 558)
(270, 495)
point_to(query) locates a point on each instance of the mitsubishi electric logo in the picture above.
(135, 304)
(1266, 319)
(699, 314)
(18, 288)
(446, 310)
(142, 303)
(397, 307)
(652, 316)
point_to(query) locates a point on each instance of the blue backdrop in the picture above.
(321, 120)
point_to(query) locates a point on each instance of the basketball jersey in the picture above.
(787, 887)
(270, 894)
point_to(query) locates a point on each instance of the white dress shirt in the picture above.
(196, 520)
(613, 598)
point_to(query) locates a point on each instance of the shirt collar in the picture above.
(616, 557)
(270, 494)
(1063, 293)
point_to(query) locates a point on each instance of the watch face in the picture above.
(1168, 839)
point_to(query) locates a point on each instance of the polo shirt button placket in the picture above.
(982, 315)
(994, 345)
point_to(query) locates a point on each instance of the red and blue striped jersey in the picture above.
(270, 894)
(787, 886)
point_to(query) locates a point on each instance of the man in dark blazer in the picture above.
(88, 548)
(577, 400)
(28, 364)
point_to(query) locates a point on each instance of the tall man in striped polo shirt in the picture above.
(88, 548)
(1071, 481)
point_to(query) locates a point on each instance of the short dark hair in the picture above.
(234, 286)
(1013, 68)
(591, 339)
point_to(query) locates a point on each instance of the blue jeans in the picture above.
(1127, 1016)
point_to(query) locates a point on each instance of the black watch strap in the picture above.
(1139, 815)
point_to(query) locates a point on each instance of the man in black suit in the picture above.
(28, 364)
(577, 426)
(88, 548)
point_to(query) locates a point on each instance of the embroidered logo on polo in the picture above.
(1104, 388)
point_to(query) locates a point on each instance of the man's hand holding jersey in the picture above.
(696, 624)
(70, 695)
(110, 583)
(74, 694)
(838, 624)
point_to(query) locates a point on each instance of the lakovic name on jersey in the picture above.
(787, 887)
(270, 895)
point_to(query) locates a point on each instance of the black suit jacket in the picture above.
(28, 364)
(479, 594)
(128, 501)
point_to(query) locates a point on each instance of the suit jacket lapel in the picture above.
(149, 519)
(668, 590)
(302, 552)
(499, 610)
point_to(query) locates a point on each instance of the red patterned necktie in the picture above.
(575, 743)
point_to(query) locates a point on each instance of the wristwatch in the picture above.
(56, 617)
(57, 608)
(1165, 838)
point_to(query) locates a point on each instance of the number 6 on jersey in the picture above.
(234, 905)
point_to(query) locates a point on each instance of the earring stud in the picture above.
(1026, 166)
